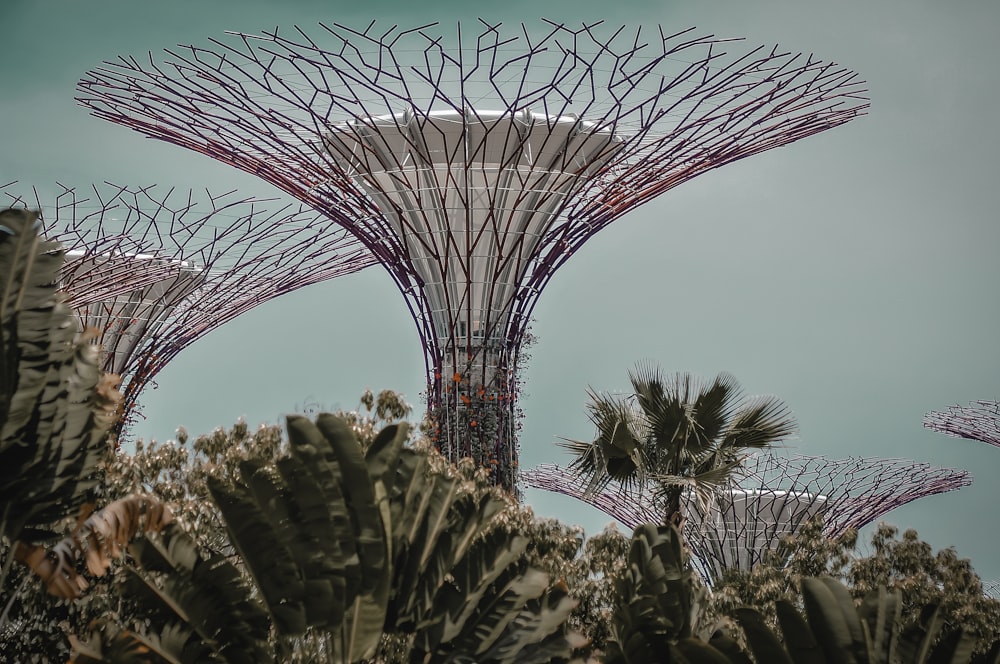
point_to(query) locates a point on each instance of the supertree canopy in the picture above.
(152, 271)
(772, 495)
(980, 420)
(473, 164)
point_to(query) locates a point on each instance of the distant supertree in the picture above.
(474, 164)
(980, 420)
(772, 496)
(154, 270)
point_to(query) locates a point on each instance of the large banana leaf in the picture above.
(265, 550)
(655, 597)
(56, 406)
(197, 607)
(831, 624)
(879, 612)
(834, 631)
(765, 645)
(310, 449)
(356, 545)
(359, 492)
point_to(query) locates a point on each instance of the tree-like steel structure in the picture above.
(980, 420)
(772, 495)
(474, 164)
(154, 270)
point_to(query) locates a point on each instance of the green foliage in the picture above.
(906, 565)
(177, 473)
(835, 631)
(657, 614)
(341, 545)
(676, 433)
(656, 597)
(56, 406)
(588, 569)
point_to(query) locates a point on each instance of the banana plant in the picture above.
(56, 406)
(349, 544)
(658, 606)
(835, 631)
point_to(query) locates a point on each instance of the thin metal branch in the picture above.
(980, 420)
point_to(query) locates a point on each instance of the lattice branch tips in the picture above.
(980, 420)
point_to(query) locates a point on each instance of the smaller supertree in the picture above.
(980, 420)
(154, 270)
(771, 496)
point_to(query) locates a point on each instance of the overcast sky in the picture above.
(852, 274)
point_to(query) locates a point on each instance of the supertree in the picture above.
(474, 164)
(772, 495)
(152, 271)
(980, 420)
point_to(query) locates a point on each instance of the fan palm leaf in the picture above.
(761, 422)
(617, 453)
(678, 433)
(702, 487)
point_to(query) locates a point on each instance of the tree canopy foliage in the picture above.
(901, 563)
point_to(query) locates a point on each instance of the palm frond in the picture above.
(759, 423)
(203, 596)
(55, 404)
(617, 453)
(588, 464)
(714, 406)
(707, 484)
(663, 402)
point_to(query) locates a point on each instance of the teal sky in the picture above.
(853, 274)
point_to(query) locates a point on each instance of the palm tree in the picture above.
(677, 434)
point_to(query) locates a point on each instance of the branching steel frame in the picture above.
(153, 270)
(772, 496)
(980, 420)
(310, 116)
